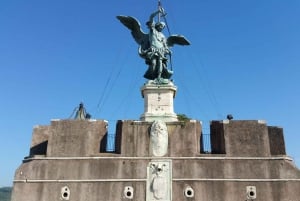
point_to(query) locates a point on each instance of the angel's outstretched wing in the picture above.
(133, 24)
(177, 39)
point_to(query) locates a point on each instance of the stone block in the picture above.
(158, 102)
(276, 140)
(39, 140)
(217, 139)
(240, 138)
(76, 137)
(133, 138)
(184, 138)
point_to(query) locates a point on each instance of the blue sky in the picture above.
(244, 60)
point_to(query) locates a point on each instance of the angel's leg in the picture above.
(153, 67)
(160, 66)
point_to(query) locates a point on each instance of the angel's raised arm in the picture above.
(151, 18)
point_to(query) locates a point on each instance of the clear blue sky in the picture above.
(244, 60)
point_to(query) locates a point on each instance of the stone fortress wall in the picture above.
(67, 161)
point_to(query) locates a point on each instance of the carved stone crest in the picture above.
(159, 181)
(158, 138)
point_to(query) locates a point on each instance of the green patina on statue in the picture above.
(154, 47)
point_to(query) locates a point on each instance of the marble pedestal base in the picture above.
(158, 102)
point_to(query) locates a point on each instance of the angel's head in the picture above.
(159, 26)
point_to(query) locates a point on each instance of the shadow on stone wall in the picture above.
(103, 143)
(39, 149)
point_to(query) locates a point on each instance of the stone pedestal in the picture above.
(158, 102)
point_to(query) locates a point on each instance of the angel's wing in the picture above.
(133, 24)
(177, 39)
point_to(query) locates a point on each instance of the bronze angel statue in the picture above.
(154, 47)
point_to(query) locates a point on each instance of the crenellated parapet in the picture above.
(246, 138)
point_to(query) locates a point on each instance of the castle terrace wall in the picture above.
(240, 138)
(83, 172)
(96, 178)
(75, 137)
(39, 142)
(276, 140)
(132, 138)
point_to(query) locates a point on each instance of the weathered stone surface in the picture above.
(217, 137)
(159, 102)
(75, 137)
(205, 176)
(135, 168)
(158, 139)
(276, 140)
(240, 138)
(235, 191)
(133, 138)
(39, 140)
(184, 138)
(91, 175)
